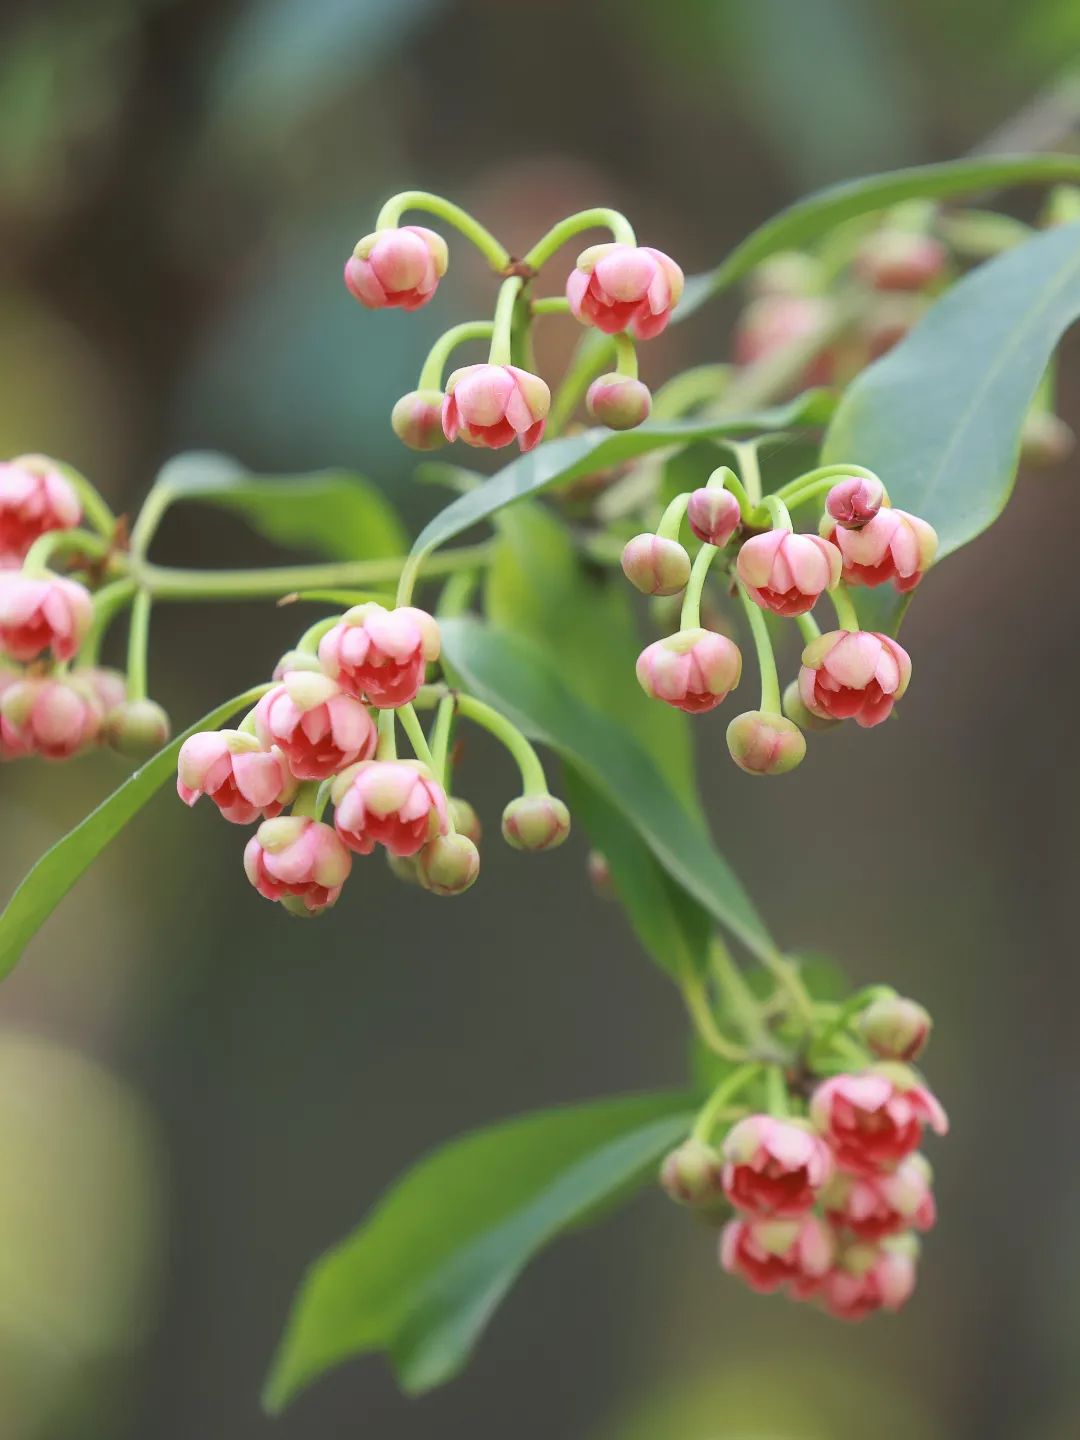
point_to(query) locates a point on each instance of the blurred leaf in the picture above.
(520, 681)
(821, 975)
(334, 512)
(939, 418)
(422, 1276)
(56, 872)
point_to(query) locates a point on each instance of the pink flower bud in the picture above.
(535, 822)
(464, 819)
(621, 287)
(655, 565)
(34, 499)
(598, 870)
(137, 728)
(770, 1254)
(893, 545)
(618, 401)
(763, 744)
(39, 614)
(776, 322)
(1045, 440)
(868, 1278)
(380, 654)
(855, 501)
(900, 260)
(316, 725)
(873, 1206)
(855, 675)
(395, 803)
(692, 1174)
(714, 515)
(54, 717)
(694, 670)
(895, 1028)
(491, 405)
(109, 686)
(397, 267)
(243, 780)
(799, 715)
(293, 857)
(417, 420)
(774, 1167)
(874, 1119)
(448, 865)
(785, 572)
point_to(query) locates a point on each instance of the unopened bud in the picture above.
(417, 420)
(464, 818)
(656, 566)
(854, 502)
(599, 873)
(403, 867)
(618, 401)
(448, 865)
(1045, 440)
(535, 822)
(763, 744)
(714, 516)
(895, 1028)
(693, 1174)
(137, 728)
(900, 260)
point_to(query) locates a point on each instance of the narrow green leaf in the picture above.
(56, 872)
(520, 681)
(811, 218)
(422, 1275)
(334, 512)
(940, 417)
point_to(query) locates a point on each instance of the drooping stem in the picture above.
(138, 645)
(621, 230)
(410, 723)
(439, 739)
(497, 256)
(625, 356)
(721, 1098)
(724, 478)
(776, 1092)
(672, 518)
(844, 607)
(431, 375)
(550, 305)
(808, 627)
(739, 1000)
(690, 618)
(107, 602)
(310, 800)
(817, 482)
(533, 779)
(592, 357)
(54, 543)
(387, 746)
(502, 326)
(699, 1009)
(770, 680)
(746, 458)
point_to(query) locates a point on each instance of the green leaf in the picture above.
(56, 872)
(333, 512)
(811, 218)
(422, 1275)
(940, 417)
(571, 456)
(520, 681)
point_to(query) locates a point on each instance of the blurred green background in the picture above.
(197, 1096)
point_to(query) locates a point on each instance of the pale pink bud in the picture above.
(243, 780)
(109, 686)
(1045, 440)
(448, 865)
(694, 670)
(789, 272)
(295, 858)
(395, 803)
(417, 420)
(491, 405)
(777, 322)
(655, 565)
(464, 819)
(770, 1254)
(785, 572)
(618, 401)
(380, 654)
(714, 515)
(621, 287)
(598, 869)
(37, 614)
(535, 822)
(54, 717)
(764, 744)
(34, 499)
(774, 1167)
(895, 1028)
(400, 266)
(853, 674)
(692, 1174)
(799, 715)
(900, 260)
(137, 728)
(855, 501)
(873, 1206)
(874, 1119)
(317, 726)
(893, 545)
(868, 1278)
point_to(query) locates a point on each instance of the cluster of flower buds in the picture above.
(846, 673)
(620, 288)
(325, 732)
(828, 1193)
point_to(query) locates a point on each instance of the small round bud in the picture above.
(694, 670)
(799, 715)
(900, 260)
(403, 867)
(599, 873)
(693, 1174)
(1045, 440)
(895, 1028)
(448, 865)
(464, 818)
(714, 516)
(618, 401)
(656, 566)
(853, 502)
(535, 822)
(137, 728)
(417, 420)
(788, 272)
(763, 744)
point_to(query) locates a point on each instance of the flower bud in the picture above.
(404, 868)
(137, 728)
(799, 715)
(763, 744)
(618, 401)
(693, 1174)
(895, 1028)
(785, 572)
(788, 272)
(38, 613)
(900, 260)
(53, 716)
(448, 865)
(1045, 440)
(292, 856)
(855, 501)
(599, 873)
(656, 566)
(34, 500)
(714, 515)
(396, 803)
(380, 654)
(398, 266)
(464, 819)
(853, 675)
(694, 670)
(535, 822)
(619, 287)
(417, 420)
(491, 405)
(892, 546)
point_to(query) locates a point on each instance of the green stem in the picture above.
(387, 746)
(153, 509)
(439, 740)
(844, 607)
(551, 305)
(431, 374)
(410, 723)
(739, 1001)
(690, 618)
(672, 518)
(746, 458)
(108, 601)
(621, 229)
(725, 1092)
(787, 977)
(308, 644)
(591, 358)
(776, 1092)
(770, 680)
(845, 1014)
(724, 478)
(310, 800)
(60, 542)
(808, 627)
(777, 512)
(138, 645)
(698, 1008)
(625, 356)
(502, 325)
(533, 779)
(816, 482)
(390, 217)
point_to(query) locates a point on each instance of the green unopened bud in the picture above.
(448, 865)
(763, 744)
(895, 1028)
(535, 822)
(464, 818)
(404, 867)
(137, 728)
(655, 565)
(417, 420)
(693, 1174)
(799, 715)
(620, 402)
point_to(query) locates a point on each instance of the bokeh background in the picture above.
(197, 1097)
